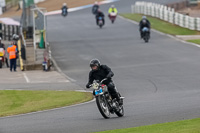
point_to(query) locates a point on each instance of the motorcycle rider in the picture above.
(95, 8)
(100, 14)
(64, 8)
(112, 9)
(100, 72)
(144, 23)
(3, 46)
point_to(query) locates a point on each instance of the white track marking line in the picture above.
(27, 79)
(60, 71)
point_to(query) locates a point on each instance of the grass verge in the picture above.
(162, 26)
(185, 126)
(18, 102)
(197, 41)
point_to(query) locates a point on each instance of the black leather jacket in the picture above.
(64, 8)
(103, 72)
(148, 24)
(95, 9)
(99, 14)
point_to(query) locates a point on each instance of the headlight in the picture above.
(95, 86)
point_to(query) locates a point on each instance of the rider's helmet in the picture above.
(64, 4)
(112, 6)
(95, 62)
(96, 2)
(144, 17)
(15, 37)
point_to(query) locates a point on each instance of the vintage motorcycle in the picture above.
(112, 16)
(100, 22)
(146, 34)
(104, 101)
(2, 57)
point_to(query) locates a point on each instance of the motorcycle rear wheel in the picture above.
(120, 113)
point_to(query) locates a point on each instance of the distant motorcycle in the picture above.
(146, 34)
(104, 101)
(64, 12)
(100, 22)
(2, 57)
(112, 16)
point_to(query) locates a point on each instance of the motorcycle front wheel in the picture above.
(146, 37)
(0, 63)
(103, 106)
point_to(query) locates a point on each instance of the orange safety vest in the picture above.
(12, 51)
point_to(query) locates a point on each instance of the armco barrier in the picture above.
(167, 14)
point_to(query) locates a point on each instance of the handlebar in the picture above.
(103, 80)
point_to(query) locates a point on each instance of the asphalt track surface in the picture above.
(159, 79)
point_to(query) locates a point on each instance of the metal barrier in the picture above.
(6, 31)
(167, 14)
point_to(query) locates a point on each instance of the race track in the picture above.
(159, 79)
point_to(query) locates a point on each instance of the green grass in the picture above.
(162, 26)
(17, 102)
(186, 126)
(197, 41)
(11, 0)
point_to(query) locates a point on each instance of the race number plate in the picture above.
(97, 92)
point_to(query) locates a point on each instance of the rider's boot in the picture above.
(118, 98)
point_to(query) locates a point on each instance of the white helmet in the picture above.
(64, 4)
(15, 37)
(96, 2)
(112, 6)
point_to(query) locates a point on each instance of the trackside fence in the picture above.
(167, 14)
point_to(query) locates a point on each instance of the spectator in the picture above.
(12, 50)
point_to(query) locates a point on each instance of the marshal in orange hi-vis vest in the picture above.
(12, 51)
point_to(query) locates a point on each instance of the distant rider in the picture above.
(112, 9)
(2, 45)
(64, 9)
(95, 8)
(144, 23)
(100, 14)
(100, 72)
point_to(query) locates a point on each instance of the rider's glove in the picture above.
(88, 85)
(108, 76)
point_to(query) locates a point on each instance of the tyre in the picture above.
(120, 113)
(100, 25)
(146, 40)
(103, 106)
(0, 63)
(146, 37)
